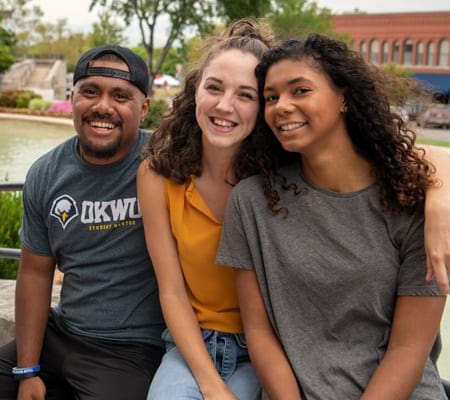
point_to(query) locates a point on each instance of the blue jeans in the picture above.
(173, 379)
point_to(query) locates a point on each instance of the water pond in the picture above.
(23, 139)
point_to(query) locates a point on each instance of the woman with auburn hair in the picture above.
(208, 142)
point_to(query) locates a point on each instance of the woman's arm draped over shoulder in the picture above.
(178, 313)
(266, 353)
(437, 219)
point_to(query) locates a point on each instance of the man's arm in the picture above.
(33, 297)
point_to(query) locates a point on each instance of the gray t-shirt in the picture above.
(329, 273)
(87, 217)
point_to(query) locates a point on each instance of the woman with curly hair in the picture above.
(331, 280)
(205, 145)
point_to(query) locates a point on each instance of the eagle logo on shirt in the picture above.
(64, 209)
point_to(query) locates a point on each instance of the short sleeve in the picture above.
(33, 232)
(413, 263)
(234, 248)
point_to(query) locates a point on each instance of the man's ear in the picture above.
(144, 109)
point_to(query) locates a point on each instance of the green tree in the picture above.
(50, 39)
(55, 40)
(400, 86)
(22, 20)
(107, 30)
(7, 41)
(180, 14)
(232, 10)
(6, 58)
(193, 51)
(295, 18)
(174, 56)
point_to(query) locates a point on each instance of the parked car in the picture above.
(437, 115)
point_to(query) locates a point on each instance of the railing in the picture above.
(11, 187)
(6, 252)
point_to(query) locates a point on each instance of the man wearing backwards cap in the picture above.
(102, 341)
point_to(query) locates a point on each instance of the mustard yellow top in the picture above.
(211, 288)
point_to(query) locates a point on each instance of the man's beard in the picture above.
(87, 148)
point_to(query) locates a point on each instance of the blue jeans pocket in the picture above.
(240, 340)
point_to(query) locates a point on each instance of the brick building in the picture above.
(419, 41)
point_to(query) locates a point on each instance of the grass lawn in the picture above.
(431, 142)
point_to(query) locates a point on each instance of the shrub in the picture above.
(8, 98)
(157, 109)
(64, 106)
(24, 97)
(11, 212)
(39, 104)
(17, 98)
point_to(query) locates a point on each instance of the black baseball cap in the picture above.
(138, 74)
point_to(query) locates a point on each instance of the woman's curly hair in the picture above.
(175, 148)
(378, 134)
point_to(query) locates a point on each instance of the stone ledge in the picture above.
(7, 291)
(39, 113)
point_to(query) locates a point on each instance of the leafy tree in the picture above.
(174, 57)
(232, 10)
(192, 51)
(107, 30)
(6, 58)
(50, 39)
(140, 51)
(400, 86)
(7, 37)
(76, 43)
(22, 20)
(295, 18)
(55, 40)
(180, 14)
(7, 41)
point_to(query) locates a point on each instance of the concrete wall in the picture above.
(7, 290)
(46, 77)
(17, 75)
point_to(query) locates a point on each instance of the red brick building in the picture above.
(419, 41)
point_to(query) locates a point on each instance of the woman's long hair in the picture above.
(378, 134)
(175, 148)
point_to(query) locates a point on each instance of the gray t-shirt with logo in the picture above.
(329, 273)
(87, 217)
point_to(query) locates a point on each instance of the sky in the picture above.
(80, 19)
